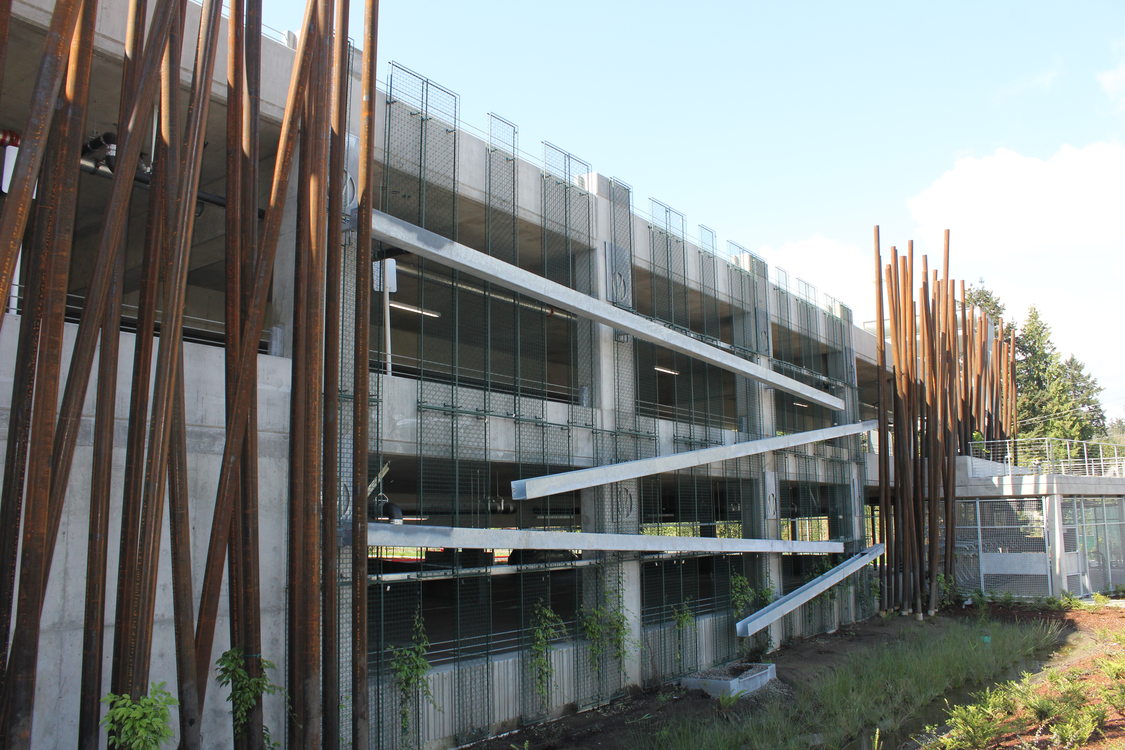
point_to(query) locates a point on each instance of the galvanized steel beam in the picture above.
(426, 244)
(569, 481)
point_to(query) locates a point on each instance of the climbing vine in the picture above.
(742, 595)
(546, 626)
(606, 629)
(683, 617)
(246, 689)
(410, 667)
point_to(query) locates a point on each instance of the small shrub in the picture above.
(1079, 726)
(971, 727)
(1114, 667)
(140, 724)
(1101, 599)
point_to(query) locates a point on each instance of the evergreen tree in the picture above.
(982, 297)
(1055, 398)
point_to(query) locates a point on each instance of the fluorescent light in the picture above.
(798, 403)
(413, 309)
(665, 370)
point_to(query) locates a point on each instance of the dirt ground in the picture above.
(615, 725)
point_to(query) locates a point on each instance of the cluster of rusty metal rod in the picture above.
(950, 377)
(42, 435)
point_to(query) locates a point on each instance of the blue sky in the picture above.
(793, 127)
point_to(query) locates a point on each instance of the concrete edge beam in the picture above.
(568, 481)
(394, 535)
(427, 244)
(765, 616)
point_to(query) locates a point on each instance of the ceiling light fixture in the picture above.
(415, 310)
(666, 370)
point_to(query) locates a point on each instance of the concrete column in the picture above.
(772, 530)
(1056, 548)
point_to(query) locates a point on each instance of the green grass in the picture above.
(878, 686)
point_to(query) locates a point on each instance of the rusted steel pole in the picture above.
(330, 673)
(248, 526)
(307, 420)
(251, 327)
(33, 137)
(188, 673)
(19, 431)
(881, 400)
(157, 235)
(168, 358)
(129, 146)
(18, 693)
(105, 412)
(365, 188)
(233, 261)
(5, 22)
(297, 611)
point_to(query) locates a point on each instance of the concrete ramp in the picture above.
(768, 614)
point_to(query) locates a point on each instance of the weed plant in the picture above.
(879, 686)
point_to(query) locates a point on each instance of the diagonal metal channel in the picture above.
(568, 481)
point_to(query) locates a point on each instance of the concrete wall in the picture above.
(59, 669)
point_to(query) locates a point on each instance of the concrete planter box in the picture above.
(738, 678)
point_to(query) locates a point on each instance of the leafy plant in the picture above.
(726, 702)
(410, 667)
(971, 727)
(682, 616)
(605, 628)
(141, 723)
(742, 595)
(1114, 667)
(546, 626)
(246, 689)
(1101, 599)
(1076, 728)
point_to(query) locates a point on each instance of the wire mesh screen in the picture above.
(1002, 546)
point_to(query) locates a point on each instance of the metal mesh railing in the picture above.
(1051, 456)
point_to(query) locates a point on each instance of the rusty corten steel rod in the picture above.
(168, 358)
(252, 50)
(33, 138)
(252, 325)
(330, 673)
(19, 429)
(165, 175)
(307, 421)
(5, 19)
(235, 249)
(365, 189)
(105, 412)
(183, 607)
(881, 400)
(109, 245)
(59, 209)
(296, 637)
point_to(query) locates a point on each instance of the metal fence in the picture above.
(1053, 456)
(1041, 546)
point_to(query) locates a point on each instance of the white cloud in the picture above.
(1113, 83)
(1044, 232)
